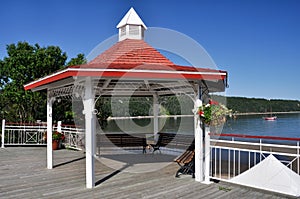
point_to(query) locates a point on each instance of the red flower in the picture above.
(212, 102)
(201, 113)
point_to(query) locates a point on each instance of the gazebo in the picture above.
(131, 67)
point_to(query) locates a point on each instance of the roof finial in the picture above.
(131, 26)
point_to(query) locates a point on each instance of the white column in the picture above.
(59, 126)
(207, 156)
(198, 144)
(155, 116)
(49, 133)
(198, 151)
(3, 132)
(88, 103)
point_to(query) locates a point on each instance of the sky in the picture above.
(256, 41)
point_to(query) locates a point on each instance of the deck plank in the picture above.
(23, 174)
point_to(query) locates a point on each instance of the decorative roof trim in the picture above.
(128, 73)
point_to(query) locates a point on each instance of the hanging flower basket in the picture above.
(213, 113)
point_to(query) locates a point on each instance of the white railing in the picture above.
(74, 137)
(229, 158)
(35, 134)
(23, 134)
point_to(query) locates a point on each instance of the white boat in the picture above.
(271, 118)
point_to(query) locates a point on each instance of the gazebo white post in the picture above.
(198, 141)
(155, 114)
(88, 102)
(50, 101)
(3, 131)
(207, 155)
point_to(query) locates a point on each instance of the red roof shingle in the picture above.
(131, 51)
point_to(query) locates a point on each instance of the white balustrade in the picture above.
(230, 158)
(35, 134)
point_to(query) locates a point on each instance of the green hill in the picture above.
(246, 105)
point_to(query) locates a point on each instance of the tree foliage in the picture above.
(80, 59)
(24, 64)
(255, 105)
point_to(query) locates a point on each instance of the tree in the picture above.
(80, 59)
(24, 64)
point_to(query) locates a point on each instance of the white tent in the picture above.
(270, 174)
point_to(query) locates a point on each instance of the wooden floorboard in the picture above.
(23, 174)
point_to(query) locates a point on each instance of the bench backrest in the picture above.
(122, 140)
(172, 140)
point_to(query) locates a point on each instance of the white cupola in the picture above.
(131, 26)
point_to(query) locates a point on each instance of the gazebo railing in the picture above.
(34, 134)
(74, 137)
(231, 157)
(23, 133)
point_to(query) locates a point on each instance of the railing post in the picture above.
(59, 126)
(3, 131)
(260, 150)
(298, 160)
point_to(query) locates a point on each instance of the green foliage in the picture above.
(80, 59)
(177, 105)
(139, 106)
(143, 106)
(103, 106)
(24, 64)
(247, 105)
(214, 114)
(3, 76)
(57, 136)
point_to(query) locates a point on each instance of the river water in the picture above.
(286, 125)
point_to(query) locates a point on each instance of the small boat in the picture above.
(271, 118)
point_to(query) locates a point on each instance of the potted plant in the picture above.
(57, 139)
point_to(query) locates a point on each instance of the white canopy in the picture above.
(270, 174)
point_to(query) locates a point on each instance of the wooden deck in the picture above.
(23, 174)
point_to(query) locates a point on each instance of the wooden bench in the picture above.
(186, 162)
(172, 140)
(163, 140)
(123, 140)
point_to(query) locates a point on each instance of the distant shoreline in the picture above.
(175, 116)
(267, 113)
(145, 117)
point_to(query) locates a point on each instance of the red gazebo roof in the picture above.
(135, 59)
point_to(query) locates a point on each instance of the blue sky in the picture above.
(256, 41)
